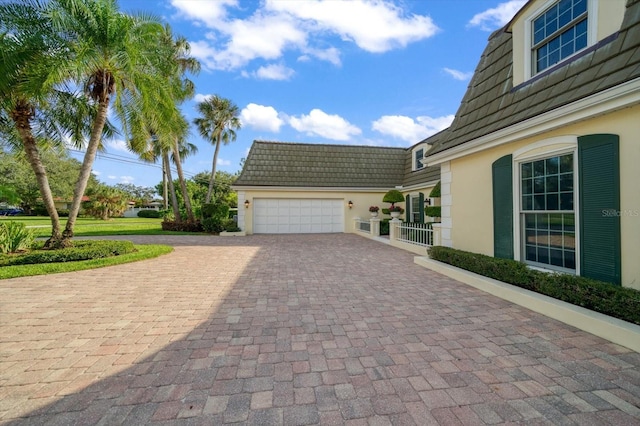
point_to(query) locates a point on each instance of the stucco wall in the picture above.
(362, 200)
(472, 211)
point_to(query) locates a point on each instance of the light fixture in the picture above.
(246, 204)
(350, 203)
(427, 201)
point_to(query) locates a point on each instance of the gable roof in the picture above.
(492, 103)
(322, 165)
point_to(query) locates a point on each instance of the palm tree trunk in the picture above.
(85, 170)
(21, 116)
(172, 188)
(183, 184)
(165, 191)
(213, 170)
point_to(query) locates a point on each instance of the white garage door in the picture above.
(293, 216)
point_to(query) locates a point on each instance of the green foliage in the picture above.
(168, 225)
(393, 196)
(150, 213)
(606, 298)
(105, 202)
(435, 192)
(82, 250)
(230, 225)
(218, 210)
(433, 211)
(384, 226)
(139, 194)
(212, 225)
(14, 237)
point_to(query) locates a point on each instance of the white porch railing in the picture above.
(420, 234)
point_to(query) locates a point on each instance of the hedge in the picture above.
(150, 213)
(171, 225)
(82, 250)
(609, 299)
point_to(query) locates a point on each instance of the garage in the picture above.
(293, 216)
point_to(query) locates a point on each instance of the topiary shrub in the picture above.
(212, 225)
(433, 211)
(154, 214)
(217, 210)
(435, 192)
(230, 225)
(393, 196)
(618, 302)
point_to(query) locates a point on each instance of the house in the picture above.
(315, 188)
(541, 161)
(539, 165)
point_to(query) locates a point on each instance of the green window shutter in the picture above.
(408, 214)
(503, 207)
(421, 206)
(599, 192)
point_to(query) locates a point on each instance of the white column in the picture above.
(375, 226)
(446, 201)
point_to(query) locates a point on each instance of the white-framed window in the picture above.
(545, 201)
(418, 155)
(416, 211)
(557, 33)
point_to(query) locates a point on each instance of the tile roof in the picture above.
(492, 103)
(322, 165)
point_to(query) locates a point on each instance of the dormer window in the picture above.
(418, 155)
(559, 32)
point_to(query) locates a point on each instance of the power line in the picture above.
(123, 159)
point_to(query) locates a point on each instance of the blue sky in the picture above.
(384, 73)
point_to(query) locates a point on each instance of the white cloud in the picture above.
(112, 177)
(498, 16)
(222, 162)
(459, 75)
(279, 26)
(199, 97)
(274, 72)
(118, 145)
(322, 124)
(408, 129)
(261, 117)
(381, 26)
(126, 179)
(96, 172)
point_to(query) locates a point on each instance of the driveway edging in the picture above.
(613, 329)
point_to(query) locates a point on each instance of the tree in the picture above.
(141, 194)
(120, 61)
(217, 125)
(105, 202)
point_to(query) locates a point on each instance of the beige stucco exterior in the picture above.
(605, 17)
(471, 209)
(361, 198)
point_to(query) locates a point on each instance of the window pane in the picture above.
(527, 186)
(543, 255)
(538, 168)
(542, 221)
(527, 202)
(556, 257)
(526, 170)
(538, 185)
(566, 201)
(566, 163)
(579, 7)
(570, 260)
(566, 182)
(551, 184)
(552, 201)
(552, 165)
(555, 221)
(539, 202)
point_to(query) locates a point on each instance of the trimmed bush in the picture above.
(618, 302)
(212, 225)
(230, 225)
(172, 225)
(435, 192)
(217, 210)
(433, 211)
(150, 213)
(393, 196)
(82, 250)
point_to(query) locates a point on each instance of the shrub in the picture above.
(172, 225)
(606, 298)
(212, 225)
(433, 211)
(435, 192)
(393, 196)
(82, 250)
(149, 213)
(384, 226)
(216, 210)
(231, 225)
(14, 237)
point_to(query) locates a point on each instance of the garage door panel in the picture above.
(286, 216)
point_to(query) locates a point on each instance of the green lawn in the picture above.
(90, 227)
(95, 227)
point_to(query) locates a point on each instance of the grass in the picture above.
(89, 227)
(86, 227)
(145, 251)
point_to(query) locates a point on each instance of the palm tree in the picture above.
(34, 115)
(218, 124)
(119, 60)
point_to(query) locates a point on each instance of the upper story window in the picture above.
(558, 33)
(418, 155)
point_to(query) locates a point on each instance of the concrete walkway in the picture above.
(294, 330)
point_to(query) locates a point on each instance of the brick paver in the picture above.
(295, 330)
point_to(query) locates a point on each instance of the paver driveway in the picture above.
(300, 329)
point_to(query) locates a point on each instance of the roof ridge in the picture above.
(327, 144)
